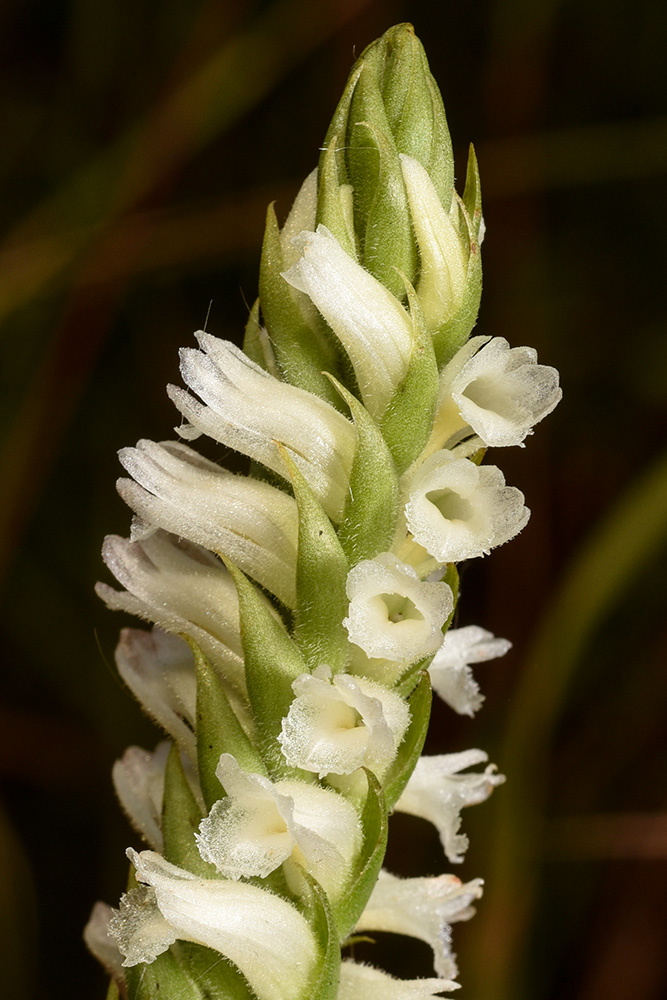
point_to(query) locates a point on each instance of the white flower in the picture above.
(100, 943)
(263, 935)
(138, 778)
(421, 908)
(450, 671)
(370, 323)
(458, 510)
(260, 823)
(363, 982)
(249, 410)
(500, 392)
(183, 589)
(437, 792)
(392, 613)
(247, 520)
(443, 255)
(335, 726)
(159, 670)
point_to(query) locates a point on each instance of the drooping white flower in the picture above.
(370, 323)
(450, 671)
(249, 410)
(500, 392)
(458, 510)
(437, 792)
(442, 253)
(246, 519)
(263, 935)
(363, 982)
(182, 588)
(260, 823)
(421, 908)
(392, 613)
(159, 670)
(336, 725)
(138, 778)
(100, 943)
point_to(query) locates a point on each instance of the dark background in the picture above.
(141, 144)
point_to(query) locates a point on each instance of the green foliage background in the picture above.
(141, 146)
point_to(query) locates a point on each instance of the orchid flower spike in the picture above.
(301, 610)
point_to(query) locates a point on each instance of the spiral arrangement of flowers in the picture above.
(302, 612)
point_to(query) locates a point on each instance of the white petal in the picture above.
(501, 392)
(159, 670)
(335, 727)
(363, 982)
(392, 613)
(263, 935)
(443, 257)
(371, 324)
(437, 792)
(251, 522)
(249, 410)
(458, 510)
(100, 943)
(260, 824)
(183, 589)
(421, 908)
(450, 671)
(138, 778)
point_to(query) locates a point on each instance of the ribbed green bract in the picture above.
(218, 731)
(181, 817)
(375, 831)
(369, 519)
(321, 573)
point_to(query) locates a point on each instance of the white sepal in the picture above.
(363, 982)
(263, 935)
(159, 670)
(100, 943)
(442, 254)
(335, 726)
(182, 588)
(422, 908)
(247, 520)
(458, 510)
(370, 323)
(500, 392)
(437, 792)
(138, 778)
(260, 824)
(392, 613)
(249, 410)
(451, 676)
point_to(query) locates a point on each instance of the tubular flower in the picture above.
(300, 612)
(437, 792)
(336, 725)
(458, 510)
(392, 613)
(422, 908)
(450, 671)
(247, 409)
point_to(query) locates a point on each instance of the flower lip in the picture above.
(335, 726)
(501, 392)
(392, 614)
(458, 510)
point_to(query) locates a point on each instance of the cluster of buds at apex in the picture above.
(301, 613)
